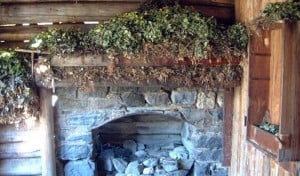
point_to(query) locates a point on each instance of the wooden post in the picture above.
(228, 116)
(47, 130)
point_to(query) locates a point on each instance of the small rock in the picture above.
(151, 162)
(134, 168)
(140, 146)
(186, 164)
(160, 172)
(148, 170)
(120, 174)
(169, 165)
(140, 153)
(130, 145)
(79, 168)
(179, 153)
(178, 173)
(119, 164)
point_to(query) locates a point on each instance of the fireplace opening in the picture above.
(153, 144)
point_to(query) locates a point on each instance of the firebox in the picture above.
(140, 131)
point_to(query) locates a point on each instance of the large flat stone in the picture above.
(71, 151)
(157, 98)
(182, 97)
(79, 168)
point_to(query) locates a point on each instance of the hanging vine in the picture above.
(18, 101)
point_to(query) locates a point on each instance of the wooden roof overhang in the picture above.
(20, 20)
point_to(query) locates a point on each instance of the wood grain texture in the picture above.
(228, 115)
(62, 12)
(276, 79)
(48, 159)
(246, 159)
(26, 166)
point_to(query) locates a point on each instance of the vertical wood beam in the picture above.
(47, 130)
(228, 116)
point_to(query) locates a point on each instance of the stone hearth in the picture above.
(119, 131)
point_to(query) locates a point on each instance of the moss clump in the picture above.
(185, 32)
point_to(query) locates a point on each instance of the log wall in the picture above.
(246, 159)
(20, 150)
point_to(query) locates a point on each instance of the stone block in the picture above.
(148, 171)
(179, 153)
(216, 169)
(72, 104)
(217, 155)
(150, 162)
(206, 100)
(110, 102)
(186, 164)
(184, 97)
(119, 90)
(75, 134)
(193, 115)
(149, 89)
(140, 153)
(63, 92)
(214, 142)
(119, 164)
(133, 99)
(169, 164)
(99, 92)
(71, 151)
(200, 168)
(157, 98)
(81, 119)
(134, 168)
(178, 173)
(79, 168)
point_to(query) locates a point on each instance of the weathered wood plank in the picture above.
(26, 166)
(276, 79)
(86, 11)
(224, 14)
(74, 1)
(260, 67)
(17, 155)
(258, 103)
(290, 119)
(228, 116)
(21, 33)
(212, 2)
(10, 133)
(47, 141)
(66, 12)
(19, 44)
(260, 44)
(20, 147)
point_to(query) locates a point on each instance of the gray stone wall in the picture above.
(78, 112)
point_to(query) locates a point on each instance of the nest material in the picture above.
(205, 77)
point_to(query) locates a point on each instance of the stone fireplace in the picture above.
(139, 131)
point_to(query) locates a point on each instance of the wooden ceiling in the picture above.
(20, 20)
